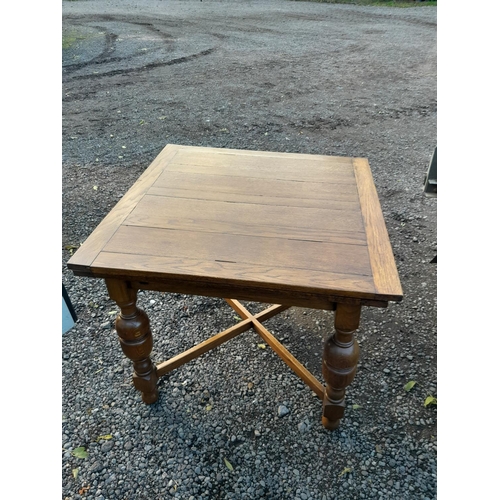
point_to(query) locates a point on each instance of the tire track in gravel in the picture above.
(105, 57)
(146, 67)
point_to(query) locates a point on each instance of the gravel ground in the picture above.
(277, 76)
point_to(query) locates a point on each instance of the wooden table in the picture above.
(291, 229)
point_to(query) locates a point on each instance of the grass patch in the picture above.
(379, 3)
(68, 40)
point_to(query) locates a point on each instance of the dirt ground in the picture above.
(276, 76)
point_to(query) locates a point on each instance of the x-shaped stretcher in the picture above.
(248, 321)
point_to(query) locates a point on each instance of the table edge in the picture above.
(384, 270)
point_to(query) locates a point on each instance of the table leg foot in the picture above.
(149, 397)
(340, 359)
(146, 384)
(330, 425)
(132, 327)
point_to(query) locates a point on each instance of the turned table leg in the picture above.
(340, 359)
(132, 326)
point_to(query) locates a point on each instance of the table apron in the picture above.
(254, 294)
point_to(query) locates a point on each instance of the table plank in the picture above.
(303, 234)
(330, 173)
(255, 250)
(207, 181)
(254, 190)
(384, 269)
(265, 155)
(157, 211)
(171, 269)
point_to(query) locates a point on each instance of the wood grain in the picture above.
(252, 228)
(231, 273)
(383, 266)
(273, 253)
(306, 173)
(220, 155)
(158, 211)
(289, 296)
(205, 184)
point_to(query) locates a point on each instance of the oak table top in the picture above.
(290, 229)
(303, 230)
